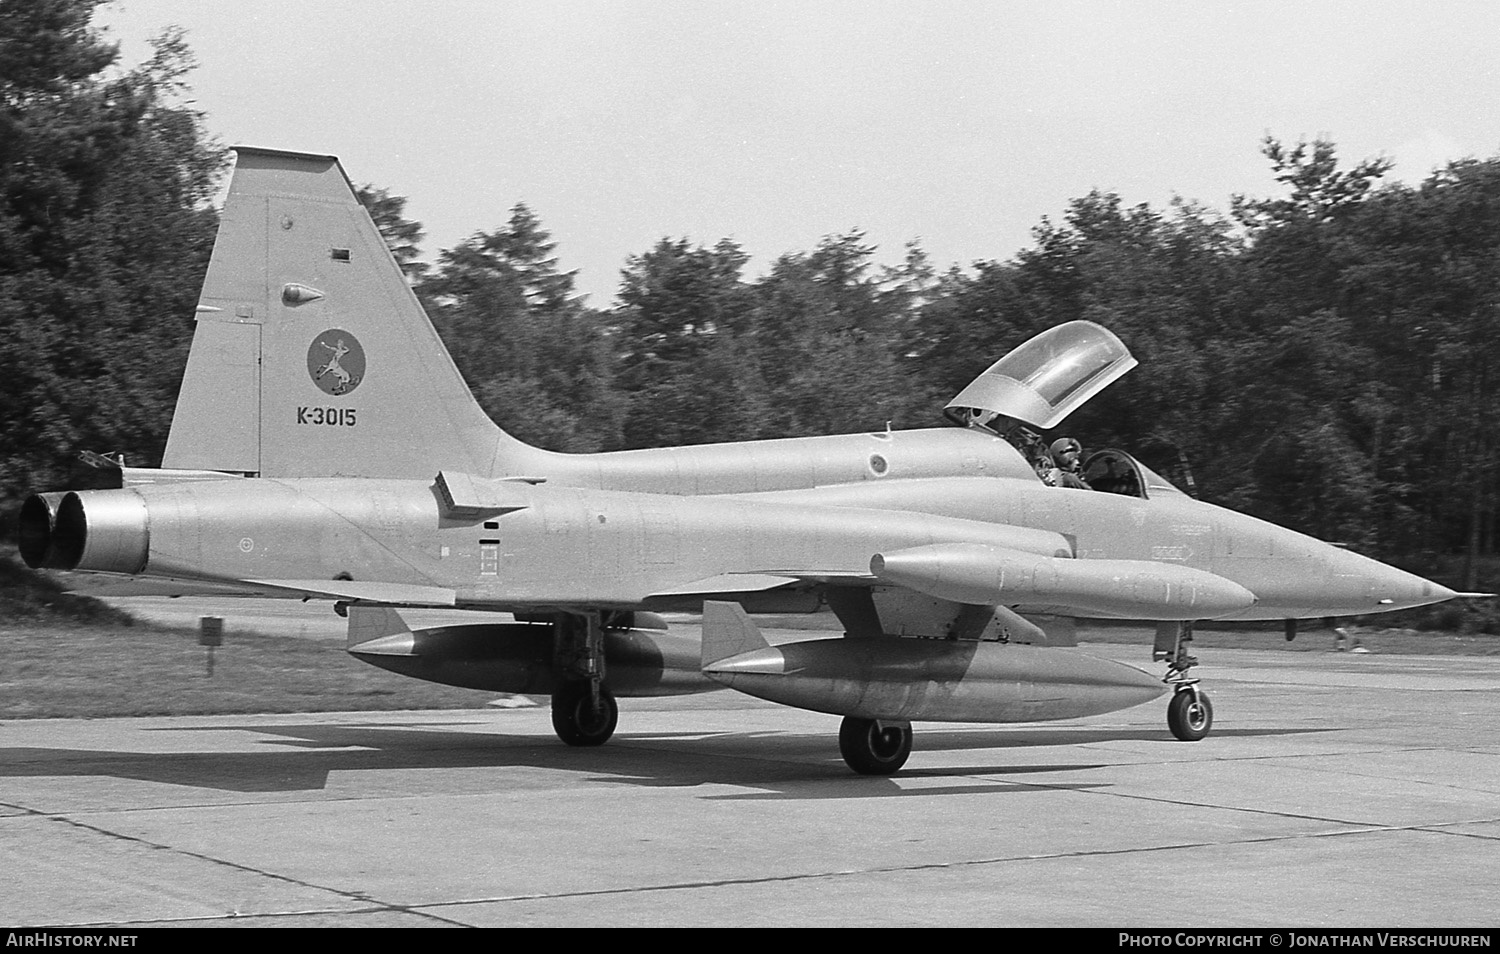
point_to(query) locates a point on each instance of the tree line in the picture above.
(1321, 358)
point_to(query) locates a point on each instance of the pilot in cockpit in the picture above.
(1067, 464)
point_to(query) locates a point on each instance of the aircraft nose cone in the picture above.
(1340, 582)
(1397, 589)
(1391, 588)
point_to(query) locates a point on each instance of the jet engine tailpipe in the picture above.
(38, 520)
(104, 530)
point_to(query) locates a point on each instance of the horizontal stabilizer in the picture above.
(465, 495)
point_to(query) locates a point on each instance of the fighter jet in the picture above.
(325, 447)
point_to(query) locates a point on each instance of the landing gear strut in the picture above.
(584, 712)
(874, 746)
(1190, 714)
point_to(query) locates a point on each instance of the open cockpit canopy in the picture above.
(1045, 379)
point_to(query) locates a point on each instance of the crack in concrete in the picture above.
(1354, 826)
(915, 868)
(366, 899)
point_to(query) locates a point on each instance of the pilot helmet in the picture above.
(1065, 445)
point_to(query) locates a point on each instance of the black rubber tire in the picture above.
(575, 719)
(1190, 715)
(874, 747)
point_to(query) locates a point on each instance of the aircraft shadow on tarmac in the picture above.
(301, 757)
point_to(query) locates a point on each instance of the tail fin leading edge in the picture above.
(312, 356)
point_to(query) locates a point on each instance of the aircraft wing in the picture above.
(760, 582)
(110, 585)
(975, 574)
(404, 594)
(726, 583)
(764, 591)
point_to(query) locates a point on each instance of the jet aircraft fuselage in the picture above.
(325, 446)
(513, 545)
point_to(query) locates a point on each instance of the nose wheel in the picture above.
(1190, 715)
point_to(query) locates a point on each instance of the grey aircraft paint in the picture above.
(325, 446)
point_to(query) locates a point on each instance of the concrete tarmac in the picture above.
(1335, 790)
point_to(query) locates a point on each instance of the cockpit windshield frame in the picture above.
(1114, 471)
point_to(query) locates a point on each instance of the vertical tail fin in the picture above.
(311, 356)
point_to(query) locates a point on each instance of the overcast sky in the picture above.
(959, 124)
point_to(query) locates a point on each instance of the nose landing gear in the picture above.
(1190, 714)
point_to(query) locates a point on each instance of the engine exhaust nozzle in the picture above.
(36, 525)
(104, 530)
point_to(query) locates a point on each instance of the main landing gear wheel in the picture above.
(577, 720)
(1190, 715)
(874, 746)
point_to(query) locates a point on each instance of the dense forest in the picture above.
(1324, 358)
